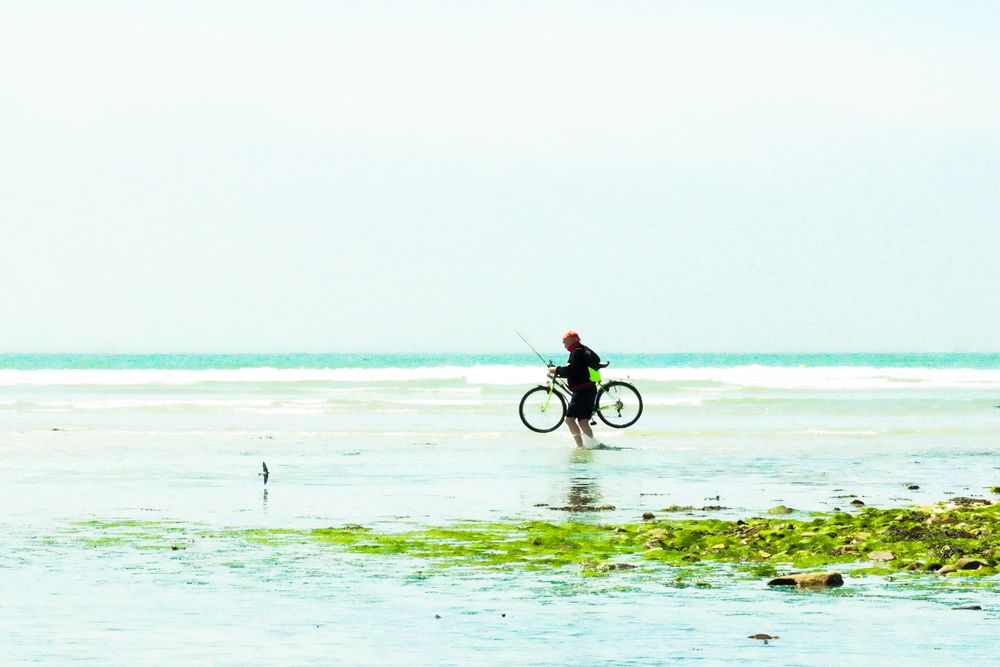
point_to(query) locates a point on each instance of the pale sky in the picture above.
(429, 176)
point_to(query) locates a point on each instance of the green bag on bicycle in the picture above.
(593, 364)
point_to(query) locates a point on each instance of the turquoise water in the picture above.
(209, 361)
(397, 442)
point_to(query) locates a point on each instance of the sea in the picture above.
(397, 442)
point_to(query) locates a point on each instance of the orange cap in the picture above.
(570, 334)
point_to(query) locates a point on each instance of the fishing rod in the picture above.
(547, 363)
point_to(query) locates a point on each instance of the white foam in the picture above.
(824, 377)
(709, 379)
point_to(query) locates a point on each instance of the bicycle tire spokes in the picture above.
(539, 412)
(618, 404)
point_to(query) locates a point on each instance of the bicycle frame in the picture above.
(555, 381)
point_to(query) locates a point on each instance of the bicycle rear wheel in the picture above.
(619, 404)
(542, 410)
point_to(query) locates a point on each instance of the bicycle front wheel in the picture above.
(542, 410)
(619, 404)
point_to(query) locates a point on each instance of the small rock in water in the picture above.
(970, 607)
(809, 580)
(881, 555)
(780, 509)
(677, 508)
(858, 503)
(965, 501)
(615, 567)
(648, 516)
(763, 637)
(437, 615)
(912, 487)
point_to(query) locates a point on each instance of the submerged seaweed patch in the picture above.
(920, 540)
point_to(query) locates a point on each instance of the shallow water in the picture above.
(439, 447)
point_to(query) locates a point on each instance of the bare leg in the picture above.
(575, 430)
(585, 427)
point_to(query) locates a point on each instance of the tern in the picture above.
(264, 474)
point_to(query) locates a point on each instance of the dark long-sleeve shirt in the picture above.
(577, 369)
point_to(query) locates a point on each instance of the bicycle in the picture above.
(543, 408)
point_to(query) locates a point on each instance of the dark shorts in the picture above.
(581, 406)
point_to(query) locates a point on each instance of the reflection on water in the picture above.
(583, 491)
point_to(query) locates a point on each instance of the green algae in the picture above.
(880, 542)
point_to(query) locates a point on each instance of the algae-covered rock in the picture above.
(970, 532)
(964, 501)
(781, 509)
(648, 516)
(615, 567)
(809, 580)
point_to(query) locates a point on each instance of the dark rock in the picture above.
(809, 580)
(969, 564)
(858, 503)
(912, 487)
(970, 607)
(648, 516)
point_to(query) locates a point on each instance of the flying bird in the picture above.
(264, 474)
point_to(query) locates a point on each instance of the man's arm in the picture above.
(577, 360)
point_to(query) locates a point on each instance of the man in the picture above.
(580, 373)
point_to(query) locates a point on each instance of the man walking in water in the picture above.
(581, 375)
